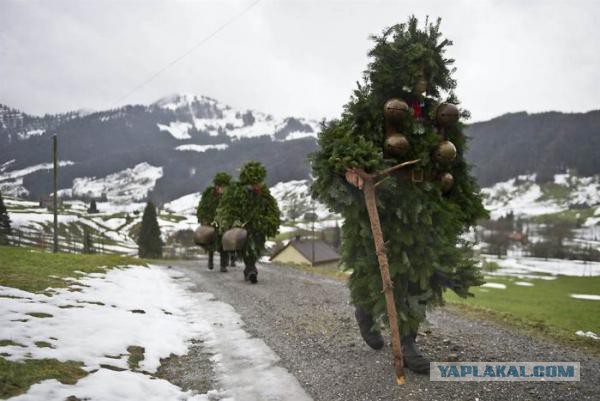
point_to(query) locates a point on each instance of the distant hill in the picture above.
(545, 143)
(174, 146)
(168, 149)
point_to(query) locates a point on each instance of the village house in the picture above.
(310, 252)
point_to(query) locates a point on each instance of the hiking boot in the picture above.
(211, 264)
(224, 261)
(372, 337)
(413, 358)
(251, 274)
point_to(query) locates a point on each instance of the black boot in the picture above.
(372, 337)
(224, 259)
(210, 260)
(413, 358)
(253, 275)
(250, 272)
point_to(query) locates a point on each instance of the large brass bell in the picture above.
(445, 152)
(204, 235)
(396, 145)
(234, 239)
(446, 182)
(395, 111)
(447, 114)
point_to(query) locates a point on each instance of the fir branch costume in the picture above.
(422, 222)
(206, 213)
(249, 204)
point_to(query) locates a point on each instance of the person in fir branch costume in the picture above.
(397, 115)
(248, 203)
(206, 212)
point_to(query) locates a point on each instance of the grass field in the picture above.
(545, 308)
(34, 271)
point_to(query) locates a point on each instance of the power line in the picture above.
(181, 57)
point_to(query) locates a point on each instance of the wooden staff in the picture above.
(368, 184)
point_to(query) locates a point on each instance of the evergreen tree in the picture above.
(5, 229)
(422, 217)
(149, 242)
(93, 208)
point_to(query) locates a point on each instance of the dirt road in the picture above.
(307, 320)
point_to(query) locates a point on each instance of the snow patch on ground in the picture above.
(177, 129)
(524, 197)
(521, 199)
(201, 148)
(28, 134)
(524, 267)
(588, 297)
(187, 204)
(499, 286)
(18, 220)
(219, 119)
(103, 313)
(299, 135)
(294, 197)
(108, 385)
(524, 283)
(122, 187)
(589, 334)
(5, 165)
(32, 169)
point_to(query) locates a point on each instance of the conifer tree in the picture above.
(93, 208)
(5, 229)
(149, 241)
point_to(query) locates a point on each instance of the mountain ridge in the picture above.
(191, 137)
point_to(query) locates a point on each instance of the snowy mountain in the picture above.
(525, 197)
(174, 146)
(164, 150)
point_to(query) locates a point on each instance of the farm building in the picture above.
(306, 252)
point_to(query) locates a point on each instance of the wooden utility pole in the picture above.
(55, 184)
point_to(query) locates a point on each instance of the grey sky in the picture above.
(297, 58)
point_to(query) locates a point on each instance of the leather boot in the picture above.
(372, 337)
(210, 260)
(250, 272)
(413, 358)
(224, 260)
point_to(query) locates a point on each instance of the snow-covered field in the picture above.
(11, 182)
(524, 197)
(150, 307)
(132, 184)
(527, 267)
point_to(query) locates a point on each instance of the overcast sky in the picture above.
(298, 58)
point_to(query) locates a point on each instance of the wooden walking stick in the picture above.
(368, 187)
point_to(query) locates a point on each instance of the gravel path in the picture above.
(307, 320)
